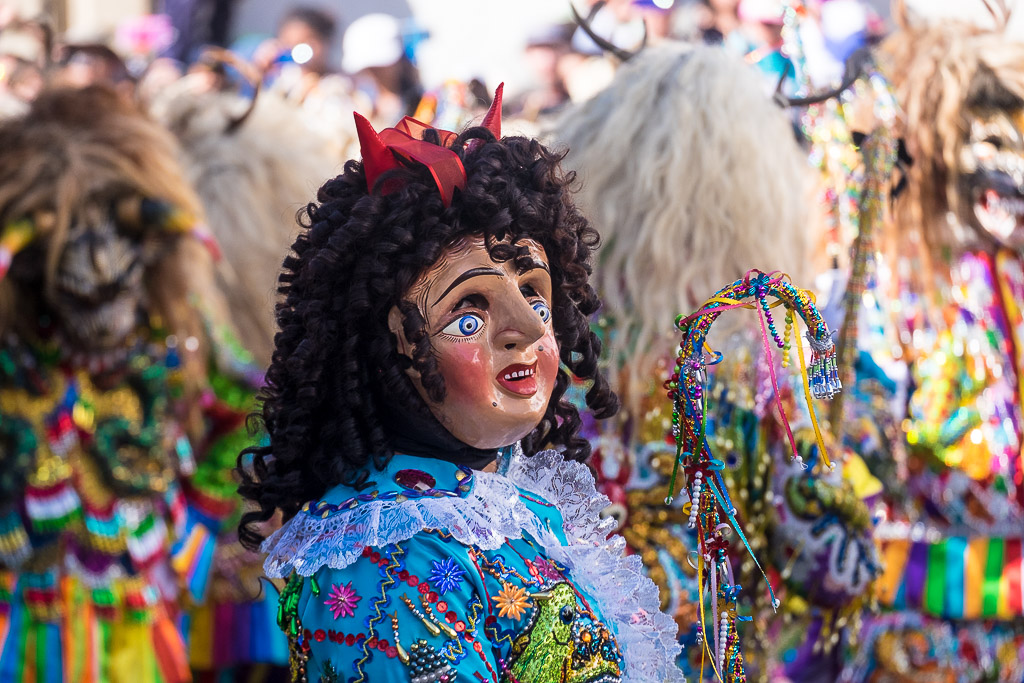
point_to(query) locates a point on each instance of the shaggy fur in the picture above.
(78, 149)
(252, 182)
(938, 71)
(692, 177)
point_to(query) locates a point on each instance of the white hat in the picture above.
(371, 40)
(763, 11)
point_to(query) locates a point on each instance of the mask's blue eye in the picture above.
(465, 325)
(542, 310)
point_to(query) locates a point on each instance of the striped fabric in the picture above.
(955, 578)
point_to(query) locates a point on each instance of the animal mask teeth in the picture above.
(1012, 205)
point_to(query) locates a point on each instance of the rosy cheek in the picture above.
(547, 359)
(466, 368)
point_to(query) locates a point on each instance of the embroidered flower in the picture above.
(546, 568)
(512, 601)
(446, 575)
(342, 601)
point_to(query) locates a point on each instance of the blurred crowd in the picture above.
(378, 67)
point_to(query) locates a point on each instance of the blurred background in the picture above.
(516, 42)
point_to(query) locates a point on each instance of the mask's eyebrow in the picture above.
(471, 273)
(527, 264)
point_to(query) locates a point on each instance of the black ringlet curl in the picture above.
(336, 361)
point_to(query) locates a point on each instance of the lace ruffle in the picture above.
(626, 598)
(490, 513)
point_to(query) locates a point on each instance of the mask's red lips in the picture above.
(519, 379)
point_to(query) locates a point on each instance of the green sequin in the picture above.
(543, 651)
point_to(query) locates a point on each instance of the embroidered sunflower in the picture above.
(343, 600)
(512, 601)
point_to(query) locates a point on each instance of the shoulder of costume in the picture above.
(414, 494)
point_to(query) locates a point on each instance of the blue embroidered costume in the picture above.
(443, 573)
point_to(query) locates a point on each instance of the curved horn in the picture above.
(377, 158)
(999, 11)
(218, 56)
(492, 120)
(16, 236)
(604, 44)
(856, 64)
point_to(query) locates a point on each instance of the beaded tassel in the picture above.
(787, 337)
(687, 388)
(698, 485)
(427, 623)
(824, 372)
(445, 628)
(403, 656)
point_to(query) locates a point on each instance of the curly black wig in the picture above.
(336, 363)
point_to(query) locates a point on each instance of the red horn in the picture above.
(492, 121)
(377, 158)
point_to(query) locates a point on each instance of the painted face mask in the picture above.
(489, 325)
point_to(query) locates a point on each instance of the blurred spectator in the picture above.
(306, 34)
(831, 32)
(140, 39)
(21, 79)
(657, 17)
(759, 39)
(84, 64)
(707, 21)
(725, 18)
(197, 23)
(546, 49)
(374, 52)
(23, 54)
(296, 63)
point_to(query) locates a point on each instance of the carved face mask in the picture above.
(489, 325)
(992, 175)
(97, 292)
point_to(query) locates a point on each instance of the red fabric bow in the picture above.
(382, 151)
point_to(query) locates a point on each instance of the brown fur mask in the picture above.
(77, 166)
